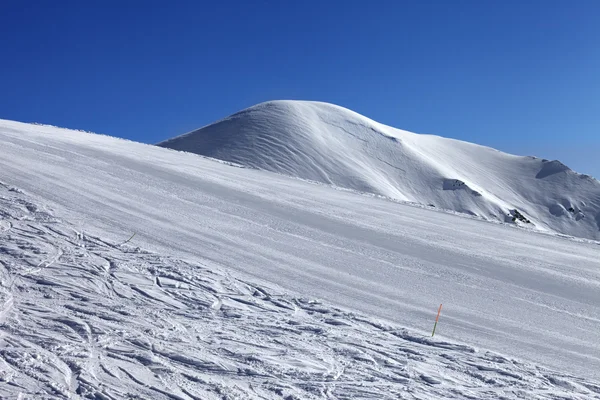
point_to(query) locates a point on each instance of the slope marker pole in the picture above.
(436, 320)
(127, 241)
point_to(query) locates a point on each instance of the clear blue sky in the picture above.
(521, 76)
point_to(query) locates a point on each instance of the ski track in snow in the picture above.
(83, 318)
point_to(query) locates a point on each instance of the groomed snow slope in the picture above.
(241, 283)
(331, 144)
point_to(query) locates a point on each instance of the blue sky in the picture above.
(520, 76)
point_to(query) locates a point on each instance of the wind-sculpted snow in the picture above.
(330, 144)
(84, 317)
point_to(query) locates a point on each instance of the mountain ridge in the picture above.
(334, 145)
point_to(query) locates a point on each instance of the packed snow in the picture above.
(133, 271)
(331, 144)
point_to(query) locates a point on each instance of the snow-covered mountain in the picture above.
(130, 271)
(327, 143)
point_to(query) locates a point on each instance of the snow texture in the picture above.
(330, 144)
(241, 283)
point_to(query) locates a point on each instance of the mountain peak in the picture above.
(331, 144)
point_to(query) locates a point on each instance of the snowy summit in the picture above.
(333, 145)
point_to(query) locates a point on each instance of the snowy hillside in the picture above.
(327, 143)
(241, 283)
(86, 318)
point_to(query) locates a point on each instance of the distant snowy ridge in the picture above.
(330, 144)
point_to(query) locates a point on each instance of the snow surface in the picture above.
(241, 283)
(331, 144)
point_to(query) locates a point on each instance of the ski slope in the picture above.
(331, 144)
(241, 283)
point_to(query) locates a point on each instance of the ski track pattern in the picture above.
(83, 318)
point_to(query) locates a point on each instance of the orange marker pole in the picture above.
(436, 320)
